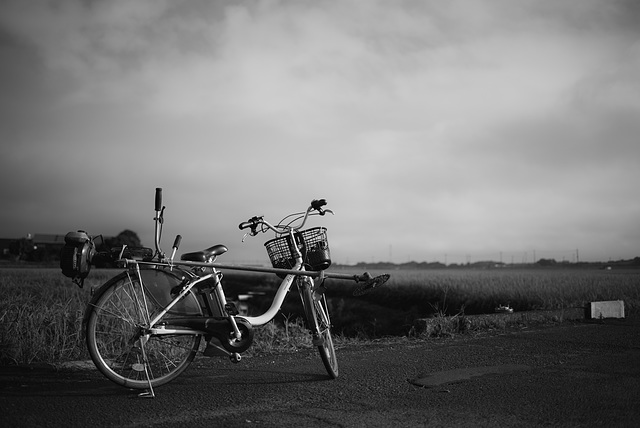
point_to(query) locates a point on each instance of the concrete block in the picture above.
(608, 309)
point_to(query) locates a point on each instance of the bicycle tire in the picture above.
(113, 322)
(318, 322)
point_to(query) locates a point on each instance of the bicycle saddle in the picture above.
(204, 255)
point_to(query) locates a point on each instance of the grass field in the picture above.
(423, 293)
(41, 310)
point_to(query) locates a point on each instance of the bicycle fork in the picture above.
(307, 287)
(316, 294)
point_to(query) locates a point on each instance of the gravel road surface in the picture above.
(570, 374)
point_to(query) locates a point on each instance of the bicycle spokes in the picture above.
(122, 345)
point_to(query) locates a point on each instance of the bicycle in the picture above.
(144, 326)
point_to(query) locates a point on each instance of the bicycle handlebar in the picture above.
(254, 222)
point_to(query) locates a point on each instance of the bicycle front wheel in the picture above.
(116, 319)
(318, 322)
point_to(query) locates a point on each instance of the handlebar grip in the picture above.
(158, 198)
(176, 243)
(317, 204)
(252, 223)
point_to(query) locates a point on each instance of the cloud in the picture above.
(457, 127)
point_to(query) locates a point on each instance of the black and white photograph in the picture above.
(332, 213)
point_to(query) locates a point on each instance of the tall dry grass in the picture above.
(479, 291)
(41, 311)
(41, 316)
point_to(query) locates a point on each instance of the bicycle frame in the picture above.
(257, 321)
(279, 297)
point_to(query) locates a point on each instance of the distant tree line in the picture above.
(24, 249)
(635, 262)
(126, 237)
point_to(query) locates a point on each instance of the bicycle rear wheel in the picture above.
(318, 322)
(115, 322)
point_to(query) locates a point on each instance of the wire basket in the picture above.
(313, 245)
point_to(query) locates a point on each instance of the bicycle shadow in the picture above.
(42, 383)
(250, 376)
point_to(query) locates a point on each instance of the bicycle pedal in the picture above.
(231, 309)
(317, 341)
(214, 349)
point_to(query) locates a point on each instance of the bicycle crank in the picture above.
(221, 329)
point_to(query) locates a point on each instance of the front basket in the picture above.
(313, 245)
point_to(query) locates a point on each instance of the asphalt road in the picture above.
(571, 374)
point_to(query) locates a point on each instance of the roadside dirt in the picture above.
(570, 374)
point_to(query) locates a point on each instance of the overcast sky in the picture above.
(437, 130)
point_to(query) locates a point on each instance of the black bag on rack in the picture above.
(76, 255)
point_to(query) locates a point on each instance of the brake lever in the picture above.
(323, 212)
(253, 232)
(160, 217)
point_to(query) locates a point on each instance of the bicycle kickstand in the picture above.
(213, 349)
(149, 393)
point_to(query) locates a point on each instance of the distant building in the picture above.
(44, 240)
(38, 247)
(5, 247)
(33, 247)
